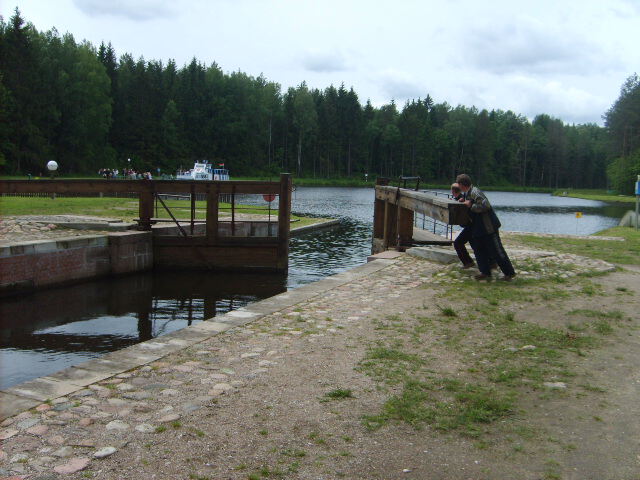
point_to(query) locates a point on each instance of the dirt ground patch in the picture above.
(414, 372)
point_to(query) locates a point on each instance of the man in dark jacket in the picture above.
(486, 242)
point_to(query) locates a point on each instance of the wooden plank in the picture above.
(430, 238)
(378, 218)
(284, 216)
(145, 210)
(193, 208)
(134, 186)
(442, 209)
(405, 227)
(379, 221)
(202, 241)
(212, 213)
(73, 186)
(390, 225)
(212, 258)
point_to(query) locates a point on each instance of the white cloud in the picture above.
(138, 10)
(534, 47)
(567, 102)
(323, 62)
(400, 86)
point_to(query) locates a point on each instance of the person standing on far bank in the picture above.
(486, 244)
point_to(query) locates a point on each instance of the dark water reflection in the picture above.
(53, 329)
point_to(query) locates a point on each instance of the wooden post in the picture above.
(284, 221)
(193, 206)
(390, 225)
(378, 220)
(233, 210)
(213, 194)
(145, 208)
(378, 212)
(404, 228)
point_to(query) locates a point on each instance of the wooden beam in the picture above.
(390, 225)
(404, 228)
(201, 240)
(284, 218)
(135, 186)
(145, 209)
(378, 211)
(212, 213)
(193, 208)
(440, 208)
(216, 257)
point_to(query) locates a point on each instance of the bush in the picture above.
(623, 172)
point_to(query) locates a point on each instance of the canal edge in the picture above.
(31, 393)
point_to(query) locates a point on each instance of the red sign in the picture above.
(269, 197)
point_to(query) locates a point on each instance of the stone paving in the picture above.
(178, 378)
(18, 229)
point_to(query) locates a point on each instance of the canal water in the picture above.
(47, 331)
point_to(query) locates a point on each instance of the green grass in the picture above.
(125, 209)
(612, 314)
(447, 311)
(498, 356)
(463, 406)
(601, 195)
(338, 394)
(626, 252)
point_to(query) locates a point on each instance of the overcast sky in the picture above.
(567, 58)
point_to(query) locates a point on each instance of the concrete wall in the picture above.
(47, 262)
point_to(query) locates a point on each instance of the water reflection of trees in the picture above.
(90, 316)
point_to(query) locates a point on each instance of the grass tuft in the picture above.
(338, 394)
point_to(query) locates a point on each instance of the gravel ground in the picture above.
(17, 229)
(255, 402)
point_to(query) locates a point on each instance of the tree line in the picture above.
(87, 108)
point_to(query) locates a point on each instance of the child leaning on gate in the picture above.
(465, 235)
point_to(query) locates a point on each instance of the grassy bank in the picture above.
(492, 362)
(125, 209)
(626, 252)
(600, 195)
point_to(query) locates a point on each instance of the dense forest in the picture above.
(88, 109)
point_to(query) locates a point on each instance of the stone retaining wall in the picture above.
(42, 263)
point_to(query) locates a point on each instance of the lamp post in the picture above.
(52, 166)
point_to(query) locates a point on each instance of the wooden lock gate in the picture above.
(394, 215)
(216, 246)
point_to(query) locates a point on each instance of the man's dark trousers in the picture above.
(463, 237)
(488, 248)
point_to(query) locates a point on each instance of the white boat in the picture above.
(203, 171)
